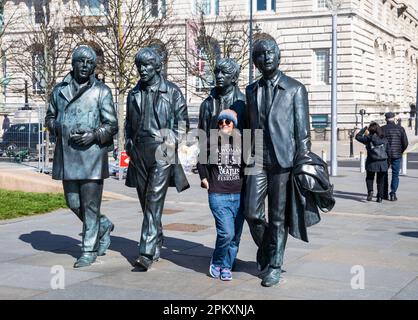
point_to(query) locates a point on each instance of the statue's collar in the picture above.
(215, 94)
(162, 87)
(280, 81)
(69, 77)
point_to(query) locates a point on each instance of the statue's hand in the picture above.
(128, 147)
(84, 138)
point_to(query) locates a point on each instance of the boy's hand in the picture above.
(204, 184)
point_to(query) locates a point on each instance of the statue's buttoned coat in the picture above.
(91, 109)
(287, 120)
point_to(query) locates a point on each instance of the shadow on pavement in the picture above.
(412, 234)
(360, 197)
(174, 250)
(42, 240)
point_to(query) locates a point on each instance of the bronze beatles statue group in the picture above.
(82, 115)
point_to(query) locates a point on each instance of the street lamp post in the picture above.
(362, 113)
(416, 108)
(250, 65)
(334, 5)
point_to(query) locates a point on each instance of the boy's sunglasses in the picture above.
(227, 122)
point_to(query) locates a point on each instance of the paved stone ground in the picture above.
(381, 238)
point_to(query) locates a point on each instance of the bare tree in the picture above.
(6, 22)
(207, 39)
(124, 27)
(43, 52)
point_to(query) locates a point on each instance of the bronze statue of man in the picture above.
(156, 120)
(82, 116)
(278, 106)
(225, 95)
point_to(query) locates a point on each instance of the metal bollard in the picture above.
(404, 164)
(324, 155)
(362, 162)
(351, 143)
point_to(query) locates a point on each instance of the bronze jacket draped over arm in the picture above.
(311, 190)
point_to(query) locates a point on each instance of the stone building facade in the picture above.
(377, 49)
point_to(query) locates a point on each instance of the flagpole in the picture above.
(186, 59)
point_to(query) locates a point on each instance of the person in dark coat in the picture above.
(82, 116)
(398, 142)
(156, 120)
(377, 162)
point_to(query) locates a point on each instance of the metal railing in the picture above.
(22, 138)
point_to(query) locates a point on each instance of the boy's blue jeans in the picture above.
(229, 219)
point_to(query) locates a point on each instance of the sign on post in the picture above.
(123, 163)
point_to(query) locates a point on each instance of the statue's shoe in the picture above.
(104, 241)
(272, 277)
(157, 254)
(86, 259)
(143, 263)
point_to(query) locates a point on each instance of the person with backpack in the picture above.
(377, 162)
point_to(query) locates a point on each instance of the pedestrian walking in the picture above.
(398, 142)
(224, 179)
(377, 162)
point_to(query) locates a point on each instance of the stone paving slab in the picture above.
(37, 277)
(410, 292)
(11, 293)
(91, 291)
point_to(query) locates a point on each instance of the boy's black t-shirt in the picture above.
(225, 176)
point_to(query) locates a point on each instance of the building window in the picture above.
(264, 5)
(320, 121)
(261, 5)
(155, 8)
(207, 52)
(93, 7)
(321, 4)
(204, 78)
(41, 9)
(206, 7)
(38, 73)
(322, 66)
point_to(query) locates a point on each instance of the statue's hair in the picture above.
(230, 66)
(148, 53)
(259, 44)
(84, 51)
(160, 50)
